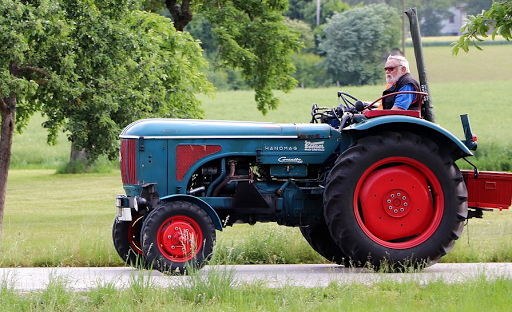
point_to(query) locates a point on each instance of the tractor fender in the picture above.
(198, 202)
(406, 123)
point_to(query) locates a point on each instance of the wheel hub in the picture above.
(396, 203)
(179, 239)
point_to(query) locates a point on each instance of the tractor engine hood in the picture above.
(216, 129)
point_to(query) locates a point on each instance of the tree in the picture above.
(309, 71)
(498, 17)
(357, 40)
(432, 12)
(27, 33)
(251, 36)
(129, 65)
(91, 68)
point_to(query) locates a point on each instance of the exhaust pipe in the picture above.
(420, 64)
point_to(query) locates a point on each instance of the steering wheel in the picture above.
(348, 99)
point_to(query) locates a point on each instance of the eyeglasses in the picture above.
(391, 68)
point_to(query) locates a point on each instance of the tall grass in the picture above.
(218, 291)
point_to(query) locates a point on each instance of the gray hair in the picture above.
(402, 61)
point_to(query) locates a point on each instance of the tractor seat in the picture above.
(390, 112)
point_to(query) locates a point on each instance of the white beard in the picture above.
(390, 79)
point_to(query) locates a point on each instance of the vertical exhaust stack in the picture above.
(420, 63)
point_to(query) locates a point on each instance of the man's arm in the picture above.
(403, 101)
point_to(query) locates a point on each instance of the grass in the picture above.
(219, 291)
(66, 220)
(59, 220)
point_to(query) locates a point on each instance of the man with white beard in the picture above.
(398, 78)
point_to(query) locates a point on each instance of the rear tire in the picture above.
(395, 199)
(319, 238)
(177, 237)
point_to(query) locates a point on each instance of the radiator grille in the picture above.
(128, 165)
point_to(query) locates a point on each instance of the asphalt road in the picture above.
(308, 275)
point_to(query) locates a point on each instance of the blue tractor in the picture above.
(364, 186)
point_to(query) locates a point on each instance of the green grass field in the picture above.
(219, 292)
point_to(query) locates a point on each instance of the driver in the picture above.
(398, 79)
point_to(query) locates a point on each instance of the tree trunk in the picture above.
(7, 108)
(8, 111)
(78, 154)
(181, 14)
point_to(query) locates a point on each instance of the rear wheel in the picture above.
(178, 236)
(395, 198)
(320, 240)
(126, 238)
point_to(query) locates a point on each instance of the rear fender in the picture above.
(405, 123)
(198, 202)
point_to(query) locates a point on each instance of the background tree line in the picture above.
(322, 24)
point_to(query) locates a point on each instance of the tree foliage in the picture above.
(251, 36)
(498, 19)
(356, 41)
(91, 67)
(309, 70)
(128, 65)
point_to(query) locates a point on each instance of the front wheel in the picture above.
(126, 238)
(395, 198)
(177, 236)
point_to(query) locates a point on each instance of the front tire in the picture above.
(126, 238)
(178, 236)
(395, 199)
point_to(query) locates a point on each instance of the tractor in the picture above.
(364, 186)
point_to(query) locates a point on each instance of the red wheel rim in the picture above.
(180, 238)
(134, 234)
(398, 202)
